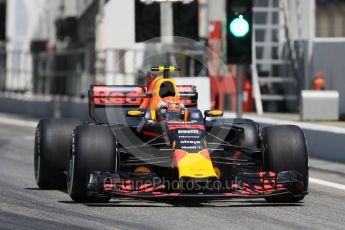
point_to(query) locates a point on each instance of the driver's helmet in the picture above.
(171, 111)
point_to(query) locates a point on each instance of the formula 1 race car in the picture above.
(153, 142)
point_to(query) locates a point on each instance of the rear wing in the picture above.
(121, 96)
(125, 96)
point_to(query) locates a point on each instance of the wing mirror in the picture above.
(135, 113)
(213, 113)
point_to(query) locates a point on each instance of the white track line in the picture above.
(18, 122)
(327, 183)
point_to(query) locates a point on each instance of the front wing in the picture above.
(247, 185)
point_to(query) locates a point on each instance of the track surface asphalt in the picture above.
(24, 206)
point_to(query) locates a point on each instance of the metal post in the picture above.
(101, 8)
(167, 30)
(255, 79)
(100, 55)
(239, 91)
(311, 36)
(167, 22)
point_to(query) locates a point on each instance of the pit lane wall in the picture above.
(43, 106)
(324, 142)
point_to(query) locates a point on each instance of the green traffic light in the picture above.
(239, 27)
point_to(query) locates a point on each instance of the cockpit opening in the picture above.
(167, 90)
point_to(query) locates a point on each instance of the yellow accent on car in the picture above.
(161, 69)
(216, 112)
(174, 144)
(134, 113)
(195, 165)
(172, 69)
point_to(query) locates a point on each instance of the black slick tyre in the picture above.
(52, 140)
(284, 149)
(93, 149)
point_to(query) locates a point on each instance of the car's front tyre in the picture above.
(92, 149)
(284, 149)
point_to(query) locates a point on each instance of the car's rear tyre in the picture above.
(52, 140)
(93, 149)
(285, 149)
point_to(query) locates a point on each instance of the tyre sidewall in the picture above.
(285, 149)
(52, 139)
(93, 149)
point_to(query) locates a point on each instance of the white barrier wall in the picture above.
(203, 85)
(320, 105)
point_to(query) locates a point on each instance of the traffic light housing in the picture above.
(147, 21)
(239, 30)
(2, 21)
(186, 20)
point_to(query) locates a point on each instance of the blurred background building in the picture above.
(50, 47)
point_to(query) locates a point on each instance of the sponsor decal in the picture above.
(110, 95)
(191, 140)
(186, 126)
(188, 131)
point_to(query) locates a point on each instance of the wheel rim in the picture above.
(37, 156)
(70, 174)
(117, 156)
(70, 168)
